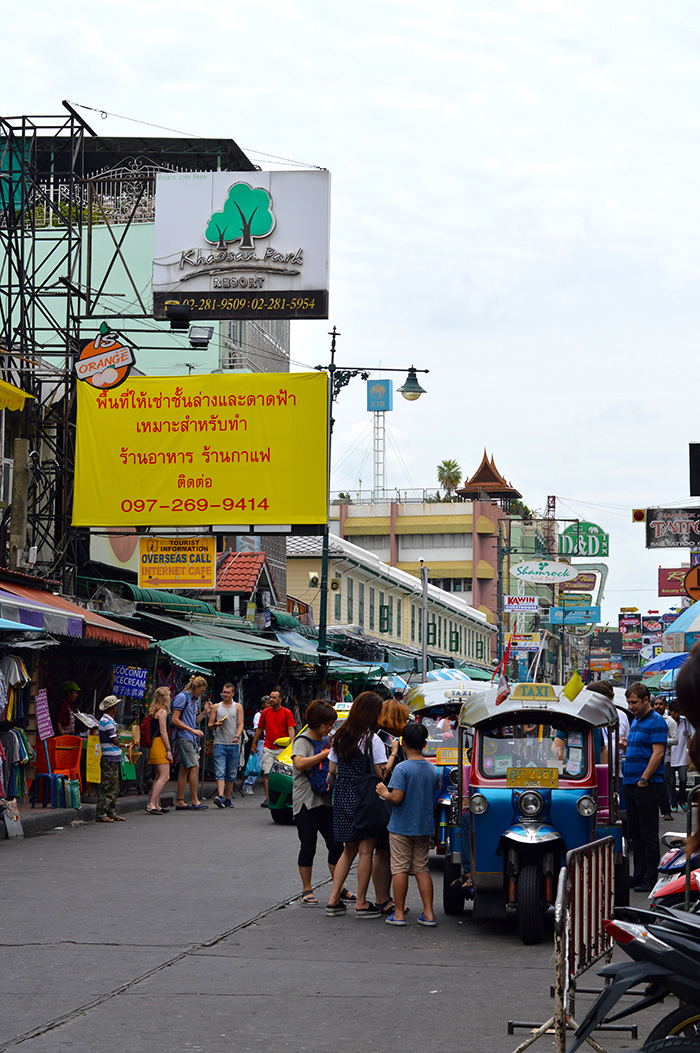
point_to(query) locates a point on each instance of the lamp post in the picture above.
(424, 572)
(338, 378)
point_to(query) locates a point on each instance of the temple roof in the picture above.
(488, 479)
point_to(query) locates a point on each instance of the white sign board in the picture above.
(522, 604)
(242, 244)
(544, 571)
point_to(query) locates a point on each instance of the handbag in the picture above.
(372, 812)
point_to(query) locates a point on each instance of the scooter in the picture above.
(672, 864)
(672, 894)
(665, 950)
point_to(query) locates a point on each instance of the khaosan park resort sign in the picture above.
(544, 571)
(242, 245)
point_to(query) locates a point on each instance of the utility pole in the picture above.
(424, 571)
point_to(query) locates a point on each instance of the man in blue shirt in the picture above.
(644, 786)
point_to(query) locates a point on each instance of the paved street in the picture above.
(183, 933)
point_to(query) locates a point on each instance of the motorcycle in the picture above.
(669, 890)
(665, 950)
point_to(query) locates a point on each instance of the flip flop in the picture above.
(370, 911)
(309, 900)
(155, 811)
(422, 920)
(393, 920)
(348, 896)
(118, 819)
(182, 807)
(198, 807)
(104, 819)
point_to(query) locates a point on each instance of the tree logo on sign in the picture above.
(246, 215)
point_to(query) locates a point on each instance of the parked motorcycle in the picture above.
(669, 890)
(664, 946)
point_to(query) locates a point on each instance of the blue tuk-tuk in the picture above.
(542, 781)
(437, 704)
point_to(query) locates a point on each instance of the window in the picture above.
(338, 598)
(413, 623)
(439, 643)
(420, 625)
(349, 584)
(361, 603)
(399, 605)
(371, 607)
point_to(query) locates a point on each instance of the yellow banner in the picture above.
(177, 562)
(197, 451)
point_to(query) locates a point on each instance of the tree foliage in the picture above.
(247, 214)
(449, 475)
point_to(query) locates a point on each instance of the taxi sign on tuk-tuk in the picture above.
(446, 755)
(537, 693)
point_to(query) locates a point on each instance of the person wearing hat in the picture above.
(66, 708)
(110, 762)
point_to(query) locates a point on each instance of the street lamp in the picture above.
(338, 378)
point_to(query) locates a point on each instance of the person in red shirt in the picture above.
(276, 722)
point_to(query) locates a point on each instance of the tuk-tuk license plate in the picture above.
(547, 777)
(447, 755)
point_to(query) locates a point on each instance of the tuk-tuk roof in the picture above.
(434, 694)
(535, 702)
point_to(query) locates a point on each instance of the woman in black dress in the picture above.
(346, 762)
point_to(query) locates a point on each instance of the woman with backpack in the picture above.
(311, 797)
(160, 754)
(347, 762)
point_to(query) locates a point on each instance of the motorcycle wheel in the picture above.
(452, 898)
(672, 1045)
(530, 910)
(622, 884)
(683, 1022)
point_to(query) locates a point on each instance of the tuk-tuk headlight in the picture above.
(586, 806)
(453, 776)
(530, 803)
(478, 803)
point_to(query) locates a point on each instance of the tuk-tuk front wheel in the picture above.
(530, 909)
(452, 895)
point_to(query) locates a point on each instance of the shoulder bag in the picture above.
(372, 812)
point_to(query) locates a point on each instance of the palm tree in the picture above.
(449, 476)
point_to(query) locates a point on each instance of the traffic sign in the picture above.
(692, 583)
(629, 610)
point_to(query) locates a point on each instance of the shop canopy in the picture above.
(11, 397)
(300, 649)
(96, 626)
(352, 672)
(28, 614)
(167, 601)
(196, 652)
(663, 661)
(15, 627)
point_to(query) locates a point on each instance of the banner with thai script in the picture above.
(43, 717)
(203, 451)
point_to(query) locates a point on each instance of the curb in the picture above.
(45, 819)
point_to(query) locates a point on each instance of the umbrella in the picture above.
(394, 682)
(665, 660)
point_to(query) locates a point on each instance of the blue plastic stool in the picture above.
(52, 786)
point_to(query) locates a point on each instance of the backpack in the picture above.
(145, 727)
(318, 776)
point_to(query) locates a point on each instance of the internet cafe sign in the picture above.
(673, 527)
(242, 244)
(584, 539)
(544, 571)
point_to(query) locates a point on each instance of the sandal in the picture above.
(335, 910)
(464, 883)
(387, 907)
(348, 896)
(155, 811)
(103, 819)
(118, 819)
(309, 900)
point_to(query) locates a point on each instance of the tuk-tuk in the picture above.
(542, 781)
(437, 704)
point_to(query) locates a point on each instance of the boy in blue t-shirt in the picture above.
(411, 792)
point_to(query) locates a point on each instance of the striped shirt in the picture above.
(645, 732)
(108, 731)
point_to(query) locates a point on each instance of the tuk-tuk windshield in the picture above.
(533, 745)
(440, 734)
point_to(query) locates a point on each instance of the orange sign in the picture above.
(104, 362)
(692, 583)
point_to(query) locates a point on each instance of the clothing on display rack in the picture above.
(16, 755)
(14, 688)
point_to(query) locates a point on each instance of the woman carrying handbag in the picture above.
(358, 761)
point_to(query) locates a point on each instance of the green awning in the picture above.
(186, 650)
(161, 598)
(284, 620)
(401, 663)
(352, 672)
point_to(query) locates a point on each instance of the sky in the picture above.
(514, 207)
